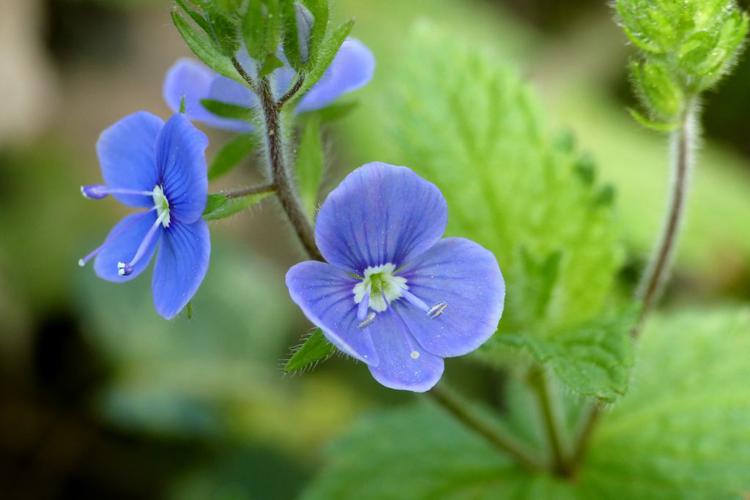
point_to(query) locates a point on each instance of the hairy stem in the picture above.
(238, 193)
(507, 444)
(291, 92)
(657, 273)
(285, 189)
(552, 426)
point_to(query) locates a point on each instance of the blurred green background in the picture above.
(99, 397)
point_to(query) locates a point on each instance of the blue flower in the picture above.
(162, 168)
(351, 69)
(393, 294)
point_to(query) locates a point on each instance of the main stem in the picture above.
(280, 173)
(657, 273)
(458, 408)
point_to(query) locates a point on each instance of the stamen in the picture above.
(370, 319)
(82, 262)
(362, 307)
(415, 301)
(125, 269)
(99, 191)
(437, 310)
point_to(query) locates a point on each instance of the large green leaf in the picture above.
(466, 122)
(682, 432)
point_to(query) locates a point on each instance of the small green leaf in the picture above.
(231, 154)
(651, 124)
(220, 206)
(262, 28)
(313, 350)
(310, 164)
(227, 110)
(201, 21)
(204, 48)
(270, 64)
(660, 92)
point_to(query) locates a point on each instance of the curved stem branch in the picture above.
(239, 193)
(505, 443)
(291, 92)
(657, 273)
(552, 426)
(658, 270)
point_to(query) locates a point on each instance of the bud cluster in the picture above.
(685, 47)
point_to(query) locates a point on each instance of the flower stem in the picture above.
(239, 193)
(657, 273)
(446, 398)
(560, 465)
(285, 189)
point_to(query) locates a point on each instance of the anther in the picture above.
(414, 355)
(94, 192)
(124, 269)
(370, 319)
(437, 310)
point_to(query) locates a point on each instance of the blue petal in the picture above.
(380, 214)
(180, 266)
(127, 155)
(121, 245)
(467, 277)
(192, 81)
(403, 363)
(180, 155)
(324, 293)
(351, 69)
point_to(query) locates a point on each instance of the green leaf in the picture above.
(465, 121)
(261, 28)
(681, 432)
(231, 154)
(659, 92)
(204, 48)
(312, 351)
(270, 64)
(220, 206)
(594, 359)
(227, 110)
(310, 164)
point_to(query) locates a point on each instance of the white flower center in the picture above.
(162, 205)
(380, 286)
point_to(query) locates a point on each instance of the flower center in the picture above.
(162, 205)
(379, 287)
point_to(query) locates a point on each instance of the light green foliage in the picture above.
(231, 154)
(686, 46)
(261, 28)
(312, 351)
(310, 164)
(593, 359)
(201, 38)
(227, 110)
(467, 123)
(319, 12)
(681, 432)
(220, 206)
(324, 56)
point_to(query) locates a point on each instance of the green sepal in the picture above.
(227, 110)
(313, 350)
(231, 154)
(651, 124)
(219, 206)
(204, 48)
(262, 28)
(310, 164)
